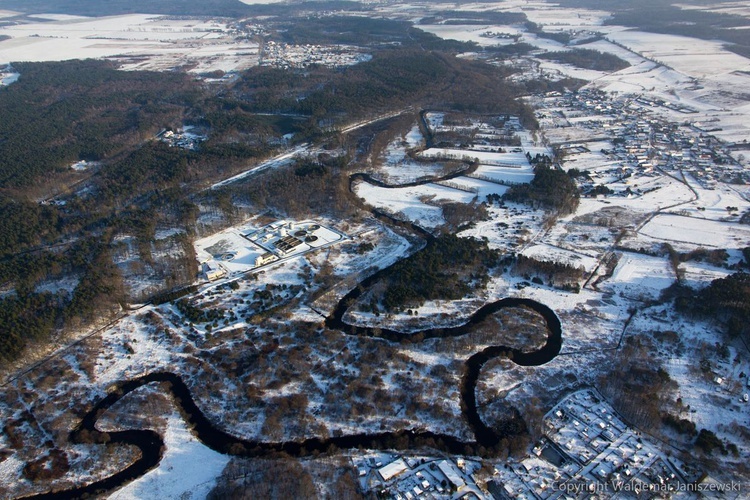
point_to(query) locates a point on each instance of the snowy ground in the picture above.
(690, 56)
(509, 227)
(396, 167)
(188, 470)
(406, 204)
(700, 73)
(136, 41)
(486, 158)
(691, 232)
(547, 253)
(640, 277)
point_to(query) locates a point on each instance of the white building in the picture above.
(393, 469)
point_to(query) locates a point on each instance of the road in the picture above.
(304, 148)
(276, 161)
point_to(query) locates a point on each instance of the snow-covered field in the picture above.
(188, 470)
(508, 175)
(499, 159)
(472, 33)
(712, 203)
(640, 277)
(733, 8)
(135, 41)
(407, 204)
(693, 232)
(396, 167)
(548, 253)
(690, 56)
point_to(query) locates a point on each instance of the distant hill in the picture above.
(218, 8)
(228, 8)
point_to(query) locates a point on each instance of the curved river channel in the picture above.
(211, 434)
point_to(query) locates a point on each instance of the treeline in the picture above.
(537, 86)
(725, 299)
(716, 257)
(588, 59)
(511, 50)
(557, 274)
(558, 36)
(482, 18)
(551, 189)
(448, 268)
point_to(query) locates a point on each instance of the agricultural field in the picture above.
(134, 42)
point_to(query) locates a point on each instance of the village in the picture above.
(402, 477)
(589, 450)
(286, 56)
(636, 139)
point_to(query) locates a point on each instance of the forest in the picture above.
(448, 268)
(32, 315)
(365, 32)
(726, 300)
(53, 116)
(588, 59)
(393, 78)
(551, 189)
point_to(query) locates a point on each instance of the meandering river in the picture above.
(212, 434)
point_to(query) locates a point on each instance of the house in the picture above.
(451, 474)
